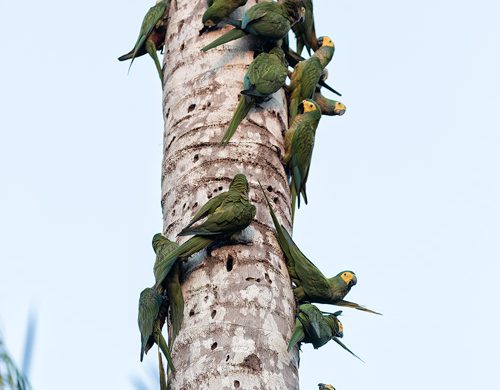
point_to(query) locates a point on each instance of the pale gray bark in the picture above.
(239, 308)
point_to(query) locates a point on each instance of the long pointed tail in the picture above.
(127, 56)
(151, 49)
(164, 348)
(242, 110)
(163, 377)
(325, 85)
(356, 306)
(227, 37)
(294, 199)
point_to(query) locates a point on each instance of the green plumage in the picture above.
(151, 36)
(269, 21)
(218, 10)
(328, 106)
(312, 327)
(299, 145)
(306, 75)
(226, 214)
(151, 318)
(265, 76)
(305, 33)
(310, 283)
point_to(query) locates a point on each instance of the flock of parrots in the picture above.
(225, 215)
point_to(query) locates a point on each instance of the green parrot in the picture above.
(151, 318)
(218, 10)
(310, 283)
(270, 21)
(265, 76)
(299, 145)
(226, 214)
(328, 107)
(293, 59)
(323, 386)
(171, 284)
(152, 35)
(305, 33)
(314, 327)
(307, 74)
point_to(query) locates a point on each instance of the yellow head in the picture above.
(349, 278)
(325, 42)
(339, 108)
(309, 106)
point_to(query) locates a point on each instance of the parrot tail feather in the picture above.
(164, 348)
(325, 85)
(242, 110)
(127, 56)
(163, 379)
(227, 37)
(151, 49)
(345, 347)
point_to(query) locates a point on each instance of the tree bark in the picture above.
(239, 306)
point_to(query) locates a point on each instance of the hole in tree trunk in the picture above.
(214, 312)
(191, 107)
(236, 384)
(214, 345)
(229, 263)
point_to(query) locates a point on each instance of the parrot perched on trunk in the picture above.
(310, 283)
(299, 144)
(328, 107)
(171, 284)
(152, 35)
(323, 386)
(293, 59)
(218, 10)
(305, 33)
(151, 318)
(265, 76)
(270, 21)
(314, 327)
(307, 74)
(226, 214)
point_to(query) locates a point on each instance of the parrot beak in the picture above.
(353, 281)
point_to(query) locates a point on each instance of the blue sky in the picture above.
(404, 189)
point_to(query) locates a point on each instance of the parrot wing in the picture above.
(208, 208)
(152, 17)
(149, 307)
(311, 278)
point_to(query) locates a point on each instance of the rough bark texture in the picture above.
(239, 308)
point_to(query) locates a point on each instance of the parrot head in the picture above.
(239, 184)
(339, 109)
(308, 105)
(323, 386)
(325, 42)
(348, 277)
(158, 239)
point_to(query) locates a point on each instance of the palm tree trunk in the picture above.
(239, 307)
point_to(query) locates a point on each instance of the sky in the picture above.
(404, 189)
